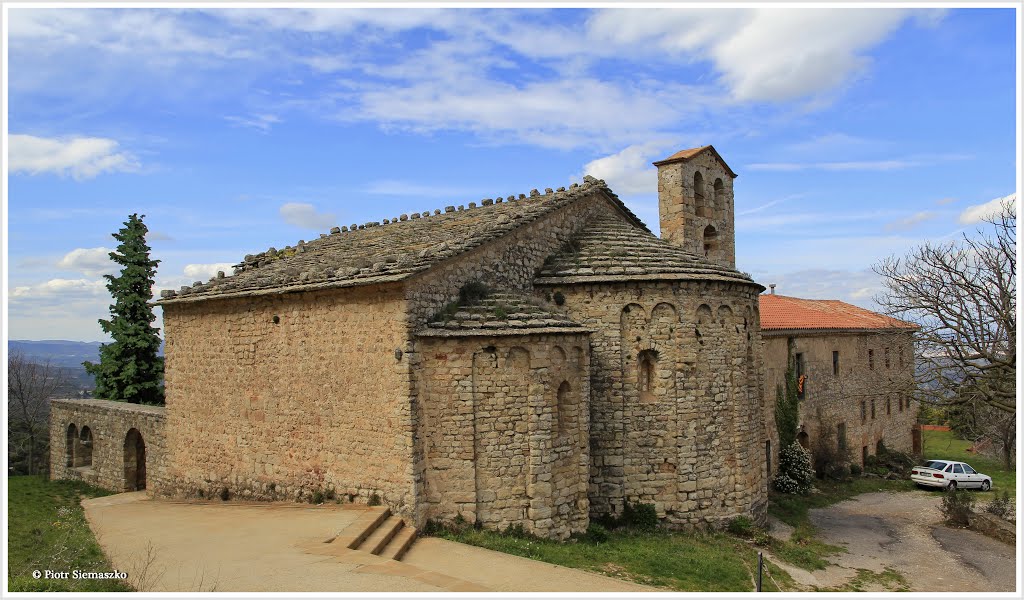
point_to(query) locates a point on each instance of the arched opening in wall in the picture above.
(85, 446)
(563, 409)
(718, 195)
(69, 446)
(647, 369)
(699, 202)
(710, 240)
(804, 439)
(134, 461)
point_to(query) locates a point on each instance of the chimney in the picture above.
(772, 285)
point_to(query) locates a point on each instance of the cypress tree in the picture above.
(130, 369)
(787, 409)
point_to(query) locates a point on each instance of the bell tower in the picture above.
(695, 203)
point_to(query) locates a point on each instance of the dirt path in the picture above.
(903, 531)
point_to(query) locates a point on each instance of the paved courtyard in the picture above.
(238, 547)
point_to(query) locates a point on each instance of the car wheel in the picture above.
(951, 487)
(986, 485)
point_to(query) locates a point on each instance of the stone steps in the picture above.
(377, 532)
(381, 536)
(400, 544)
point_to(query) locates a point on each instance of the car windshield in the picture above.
(938, 465)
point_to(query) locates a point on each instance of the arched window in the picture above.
(710, 240)
(69, 447)
(718, 195)
(699, 202)
(86, 447)
(563, 408)
(647, 367)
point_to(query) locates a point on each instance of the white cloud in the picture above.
(79, 157)
(979, 212)
(68, 288)
(856, 286)
(202, 272)
(859, 165)
(630, 171)
(911, 221)
(301, 214)
(764, 54)
(90, 261)
(262, 122)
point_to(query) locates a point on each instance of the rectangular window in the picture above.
(888, 405)
(768, 455)
(863, 410)
(799, 364)
(801, 382)
(872, 408)
(871, 360)
(835, 362)
(885, 352)
(901, 403)
(841, 434)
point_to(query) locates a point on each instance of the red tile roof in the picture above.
(685, 155)
(785, 312)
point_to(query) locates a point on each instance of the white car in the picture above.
(950, 475)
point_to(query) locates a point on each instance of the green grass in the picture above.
(888, 580)
(687, 562)
(944, 445)
(48, 531)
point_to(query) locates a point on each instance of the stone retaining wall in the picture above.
(89, 440)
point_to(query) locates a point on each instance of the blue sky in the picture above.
(857, 133)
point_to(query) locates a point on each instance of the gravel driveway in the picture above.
(903, 531)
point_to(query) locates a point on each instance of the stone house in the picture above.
(533, 360)
(855, 372)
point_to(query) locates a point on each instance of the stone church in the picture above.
(534, 360)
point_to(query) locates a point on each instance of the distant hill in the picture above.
(65, 354)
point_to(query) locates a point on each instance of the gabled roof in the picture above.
(391, 250)
(685, 155)
(788, 313)
(610, 249)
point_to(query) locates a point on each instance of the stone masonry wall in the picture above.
(831, 400)
(677, 414)
(108, 423)
(683, 222)
(276, 397)
(504, 424)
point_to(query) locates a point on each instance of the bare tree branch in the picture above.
(963, 296)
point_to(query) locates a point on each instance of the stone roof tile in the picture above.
(610, 249)
(389, 251)
(500, 313)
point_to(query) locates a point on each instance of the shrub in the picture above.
(473, 291)
(841, 472)
(855, 470)
(317, 497)
(515, 531)
(741, 526)
(795, 474)
(224, 494)
(957, 507)
(1001, 506)
(640, 516)
(374, 499)
(596, 534)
